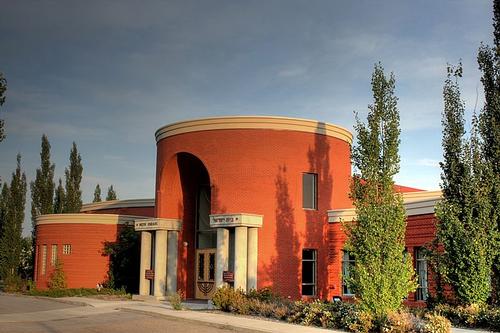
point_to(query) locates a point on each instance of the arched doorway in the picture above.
(196, 193)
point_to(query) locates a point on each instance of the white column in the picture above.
(172, 243)
(252, 258)
(221, 255)
(145, 284)
(240, 258)
(160, 262)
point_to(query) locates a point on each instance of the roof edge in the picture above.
(254, 122)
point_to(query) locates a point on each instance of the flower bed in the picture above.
(335, 315)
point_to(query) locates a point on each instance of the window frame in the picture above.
(314, 261)
(314, 194)
(421, 265)
(66, 249)
(53, 255)
(44, 259)
(348, 261)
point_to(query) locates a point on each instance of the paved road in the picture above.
(26, 314)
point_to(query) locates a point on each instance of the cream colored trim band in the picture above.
(87, 219)
(132, 203)
(156, 223)
(416, 203)
(254, 122)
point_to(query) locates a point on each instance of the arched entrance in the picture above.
(196, 199)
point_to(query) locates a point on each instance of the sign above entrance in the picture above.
(236, 220)
(157, 224)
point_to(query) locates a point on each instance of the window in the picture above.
(53, 257)
(421, 268)
(67, 249)
(310, 191)
(308, 272)
(44, 259)
(347, 265)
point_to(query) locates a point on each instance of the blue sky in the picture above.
(107, 74)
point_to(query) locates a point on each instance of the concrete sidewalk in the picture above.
(219, 319)
(211, 318)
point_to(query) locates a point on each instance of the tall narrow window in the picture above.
(347, 265)
(53, 257)
(44, 259)
(421, 268)
(310, 191)
(309, 272)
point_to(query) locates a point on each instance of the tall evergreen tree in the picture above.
(42, 189)
(4, 199)
(73, 202)
(111, 194)
(3, 89)
(11, 242)
(464, 229)
(59, 198)
(97, 194)
(489, 125)
(382, 275)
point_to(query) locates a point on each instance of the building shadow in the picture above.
(316, 235)
(284, 266)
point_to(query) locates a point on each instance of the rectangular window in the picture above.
(347, 265)
(310, 191)
(421, 268)
(44, 259)
(308, 272)
(53, 257)
(67, 249)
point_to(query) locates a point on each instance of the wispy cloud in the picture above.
(428, 162)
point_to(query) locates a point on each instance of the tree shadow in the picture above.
(316, 236)
(284, 267)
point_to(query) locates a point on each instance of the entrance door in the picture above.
(205, 273)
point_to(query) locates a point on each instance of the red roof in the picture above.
(405, 189)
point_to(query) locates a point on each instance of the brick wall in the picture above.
(260, 171)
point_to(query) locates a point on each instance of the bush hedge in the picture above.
(335, 315)
(472, 316)
(78, 292)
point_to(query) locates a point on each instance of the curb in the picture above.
(53, 299)
(61, 300)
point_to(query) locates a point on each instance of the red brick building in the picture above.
(251, 201)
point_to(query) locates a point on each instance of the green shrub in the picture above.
(436, 324)
(473, 316)
(175, 300)
(400, 322)
(76, 292)
(264, 295)
(227, 299)
(14, 283)
(363, 323)
(57, 279)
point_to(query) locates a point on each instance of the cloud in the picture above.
(428, 162)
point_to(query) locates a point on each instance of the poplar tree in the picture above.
(3, 89)
(97, 194)
(111, 194)
(11, 241)
(4, 198)
(382, 275)
(468, 236)
(489, 125)
(42, 189)
(59, 198)
(73, 174)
